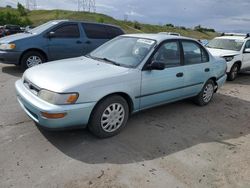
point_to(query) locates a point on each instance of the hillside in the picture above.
(38, 17)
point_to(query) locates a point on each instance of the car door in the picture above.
(95, 36)
(197, 66)
(64, 41)
(246, 56)
(161, 86)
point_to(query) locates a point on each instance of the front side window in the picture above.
(95, 31)
(226, 44)
(169, 54)
(67, 31)
(194, 53)
(247, 44)
(124, 51)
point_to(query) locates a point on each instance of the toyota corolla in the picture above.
(125, 75)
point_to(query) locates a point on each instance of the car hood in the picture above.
(67, 75)
(15, 37)
(222, 53)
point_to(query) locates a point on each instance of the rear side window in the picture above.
(194, 53)
(67, 31)
(95, 31)
(113, 32)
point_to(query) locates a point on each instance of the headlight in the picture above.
(228, 58)
(10, 46)
(57, 98)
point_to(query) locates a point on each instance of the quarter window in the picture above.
(67, 31)
(169, 54)
(113, 32)
(194, 53)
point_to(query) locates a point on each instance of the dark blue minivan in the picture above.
(57, 39)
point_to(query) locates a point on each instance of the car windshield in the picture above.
(226, 44)
(42, 27)
(124, 51)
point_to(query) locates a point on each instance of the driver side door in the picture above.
(162, 86)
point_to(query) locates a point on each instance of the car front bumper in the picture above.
(9, 57)
(76, 114)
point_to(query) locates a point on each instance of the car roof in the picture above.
(232, 37)
(157, 37)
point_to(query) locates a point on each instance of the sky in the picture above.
(222, 15)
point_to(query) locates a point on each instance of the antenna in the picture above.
(86, 5)
(31, 4)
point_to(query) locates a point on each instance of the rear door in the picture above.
(95, 36)
(197, 66)
(161, 86)
(66, 42)
(246, 57)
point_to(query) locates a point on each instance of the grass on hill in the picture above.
(38, 17)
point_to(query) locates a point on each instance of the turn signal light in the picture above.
(53, 116)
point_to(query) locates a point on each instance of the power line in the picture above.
(86, 5)
(31, 4)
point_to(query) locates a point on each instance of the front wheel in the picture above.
(109, 117)
(206, 94)
(232, 75)
(31, 59)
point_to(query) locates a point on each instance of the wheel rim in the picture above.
(208, 93)
(33, 61)
(234, 71)
(112, 117)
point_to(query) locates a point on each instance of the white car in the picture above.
(235, 49)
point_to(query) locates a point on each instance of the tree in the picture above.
(8, 6)
(22, 11)
(137, 25)
(169, 25)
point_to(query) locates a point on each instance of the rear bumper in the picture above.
(9, 57)
(76, 115)
(220, 81)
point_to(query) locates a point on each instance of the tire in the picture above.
(232, 75)
(26, 60)
(101, 124)
(206, 94)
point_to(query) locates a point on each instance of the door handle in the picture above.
(88, 42)
(78, 42)
(180, 74)
(207, 69)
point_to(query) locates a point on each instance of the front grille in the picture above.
(33, 88)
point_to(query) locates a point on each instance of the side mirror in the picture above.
(156, 66)
(247, 50)
(51, 34)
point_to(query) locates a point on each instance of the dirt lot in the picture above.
(176, 145)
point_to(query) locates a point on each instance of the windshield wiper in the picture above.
(110, 61)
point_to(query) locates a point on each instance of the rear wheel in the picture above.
(232, 75)
(206, 94)
(109, 117)
(31, 59)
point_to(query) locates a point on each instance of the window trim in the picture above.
(201, 47)
(65, 24)
(144, 68)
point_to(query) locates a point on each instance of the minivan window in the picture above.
(194, 53)
(95, 31)
(113, 32)
(67, 31)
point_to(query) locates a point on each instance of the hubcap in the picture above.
(33, 61)
(234, 72)
(112, 117)
(208, 93)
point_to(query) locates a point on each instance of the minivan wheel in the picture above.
(109, 117)
(31, 59)
(232, 75)
(206, 94)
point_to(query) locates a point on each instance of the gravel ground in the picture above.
(176, 145)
